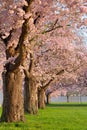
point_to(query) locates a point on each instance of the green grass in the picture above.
(70, 116)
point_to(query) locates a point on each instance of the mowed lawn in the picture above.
(54, 117)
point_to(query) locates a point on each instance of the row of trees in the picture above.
(69, 86)
(40, 45)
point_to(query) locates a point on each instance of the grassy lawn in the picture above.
(54, 117)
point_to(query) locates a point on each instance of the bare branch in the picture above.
(51, 29)
(52, 79)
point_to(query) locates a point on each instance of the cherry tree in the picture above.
(14, 35)
(50, 34)
(69, 85)
(41, 40)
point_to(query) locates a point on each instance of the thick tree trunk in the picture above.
(30, 95)
(41, 98)
(48, 98)
(12, 110)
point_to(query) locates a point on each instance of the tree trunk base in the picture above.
(41, 99)
(30, 96)
(12, 110)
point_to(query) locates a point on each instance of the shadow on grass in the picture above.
(67, 105)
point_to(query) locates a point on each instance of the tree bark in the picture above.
(41, 98)
(13, 110)
(30, 95)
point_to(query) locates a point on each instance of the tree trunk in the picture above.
(48, 98)
(41, 98)
(30, 95)
(79, 98)
(67, 98)
(12, 110)
(26, 94)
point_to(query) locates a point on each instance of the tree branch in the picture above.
(51, 29)
(53, 78)
(47, 84)
(21, 48)
(60, 72)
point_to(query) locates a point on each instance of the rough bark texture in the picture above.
(30, 94)
(13, 97)
(41, 99)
